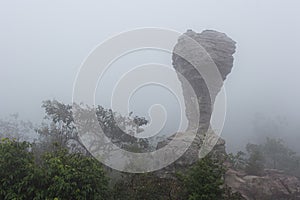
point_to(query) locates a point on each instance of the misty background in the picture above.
(43, 44)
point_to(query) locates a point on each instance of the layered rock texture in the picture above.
(202, 62)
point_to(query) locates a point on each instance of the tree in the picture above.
(147, 186)
(272, 154)
(255, 163)
(17, 129)
(19, 175)
(204, 180)
(60, 175)
(62, 128)
(122, 129)
(238, 161)
(74, 176)
(278, 156)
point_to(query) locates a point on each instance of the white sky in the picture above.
(44, 42)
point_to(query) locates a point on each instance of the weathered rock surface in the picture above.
(191, 156)
(274, 185)
(195, 55)
(191, 62)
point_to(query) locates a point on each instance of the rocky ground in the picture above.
(273, 185)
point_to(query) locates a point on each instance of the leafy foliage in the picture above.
(122, 129)
(147, 187)
(278, 156)
(272, 154)
(15, 128)
(204, 180)
(61, 175)
(238, 161)
(62, 129)
(74, 176)
(19, 175)
(256, 160)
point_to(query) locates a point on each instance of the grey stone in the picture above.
(194, 53)
(273, 185)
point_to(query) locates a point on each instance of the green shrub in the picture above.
(60, 175)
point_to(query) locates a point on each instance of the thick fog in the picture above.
(43, 44)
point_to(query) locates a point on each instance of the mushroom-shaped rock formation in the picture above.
(202, 62)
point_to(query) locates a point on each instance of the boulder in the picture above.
(273, 185)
